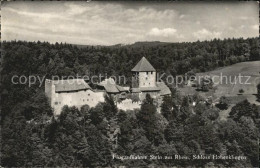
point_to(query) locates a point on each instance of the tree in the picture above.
(223, 103)
(99, 148)
(173, 133)
(241, 91)
(121, 116)
(32, 137)
(212, 114)
(205, 84)
(246, 109)
(96, 114)
(109, 107)
(147, 120)
(167, 108)
(258, 92)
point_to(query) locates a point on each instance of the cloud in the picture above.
(182, 16)
(243, 18)
(255, 27)
(113, 23)
(45, 16)
(74, 9)
(205, 34)
(242, 26)
(198, 22)
(166, 32)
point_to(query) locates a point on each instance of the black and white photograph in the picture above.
(130, 84)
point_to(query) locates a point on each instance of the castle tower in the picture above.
(144, 74)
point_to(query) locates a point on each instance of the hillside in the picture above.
(250, 72)
(231, 89)
(226, 81)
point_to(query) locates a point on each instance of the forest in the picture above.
(88, 137)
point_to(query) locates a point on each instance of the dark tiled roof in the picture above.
(143, 66)
(164, 90)
(70, 85)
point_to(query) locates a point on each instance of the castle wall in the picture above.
(77, 99)
(135, 81)
(48, 89)
(147, 79)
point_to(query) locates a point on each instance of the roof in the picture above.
(149, 89)
(164, 88)
(70, 85)
(122, 89)
(111, 87)
(161, 87)
(136, 90)
(143, 66)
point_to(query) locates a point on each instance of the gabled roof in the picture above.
(111, 87)
(164, 88)
(70, 85)
(143, 66)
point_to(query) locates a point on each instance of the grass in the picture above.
(231, 88)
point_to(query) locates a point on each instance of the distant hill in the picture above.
(81, 46)
(149, 43)
(136, 44)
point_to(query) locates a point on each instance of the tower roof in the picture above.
(143, 66)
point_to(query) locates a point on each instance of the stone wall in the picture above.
(48, 89)
(77, 99)
(147, 79)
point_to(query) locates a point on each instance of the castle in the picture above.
(76, 92)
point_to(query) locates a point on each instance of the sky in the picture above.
(109, 23)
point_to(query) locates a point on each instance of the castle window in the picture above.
(151, 72)
(88, 94)
(56, 103)
(87, 99)
(149, 83)
(146, 73)
(146, 78)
